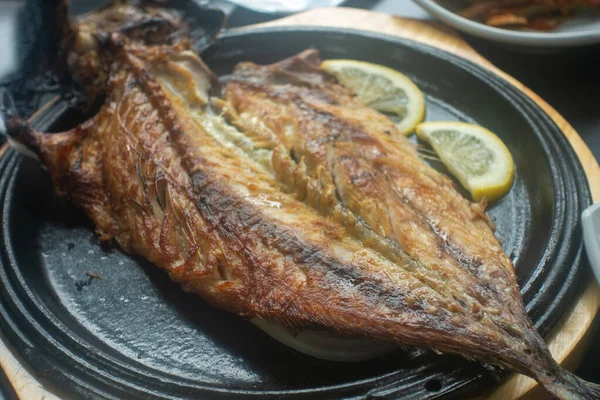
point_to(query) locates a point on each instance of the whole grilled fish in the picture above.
(287, 200)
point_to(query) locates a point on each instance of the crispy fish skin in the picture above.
(377, 175)
(313, 125)
(261, 231)
(317, 126)
(219, 224)
(151, 178)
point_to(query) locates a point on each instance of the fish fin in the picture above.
(14, 128)
(567, 386)
(21, 148)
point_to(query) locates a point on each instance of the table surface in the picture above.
(569, 81)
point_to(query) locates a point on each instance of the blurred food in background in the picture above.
(541, 15)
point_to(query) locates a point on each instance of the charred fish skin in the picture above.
(265, 225)
(376, 174)
(370, 173)
(166, 172)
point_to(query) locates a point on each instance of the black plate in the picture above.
(134, 334)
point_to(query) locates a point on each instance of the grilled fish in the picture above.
(288, 201)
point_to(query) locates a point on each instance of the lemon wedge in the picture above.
(383, 89)
(474, 155)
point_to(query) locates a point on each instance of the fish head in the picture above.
(181, 24)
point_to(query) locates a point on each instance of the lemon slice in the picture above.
(474, 155)
(383, 89)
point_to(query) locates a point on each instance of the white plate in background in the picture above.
(284, 6)
(579, 30)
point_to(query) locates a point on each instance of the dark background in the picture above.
(568, 79)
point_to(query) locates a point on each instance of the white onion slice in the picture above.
(326, 345)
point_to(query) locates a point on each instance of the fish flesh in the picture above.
(314, 125)
(288, 201)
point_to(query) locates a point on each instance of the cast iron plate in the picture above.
(134, 334)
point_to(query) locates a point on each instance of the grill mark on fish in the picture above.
(161, 192)
(367, 176)
(344, 132)
(303, 253)
(395, 245)
(230, 218)
(393, 251)
(341, 130)
(215, 202)
(387, 247)
(471, 265)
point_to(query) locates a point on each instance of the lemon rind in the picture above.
(407, 126)
(494, 188)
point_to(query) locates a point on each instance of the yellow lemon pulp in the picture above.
(474, 155)
(382, 89)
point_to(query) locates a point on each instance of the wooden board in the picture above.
(565, 342)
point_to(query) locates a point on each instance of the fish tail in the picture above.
(567, 386)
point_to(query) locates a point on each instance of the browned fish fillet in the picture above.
(315, 214)
(317, 129)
